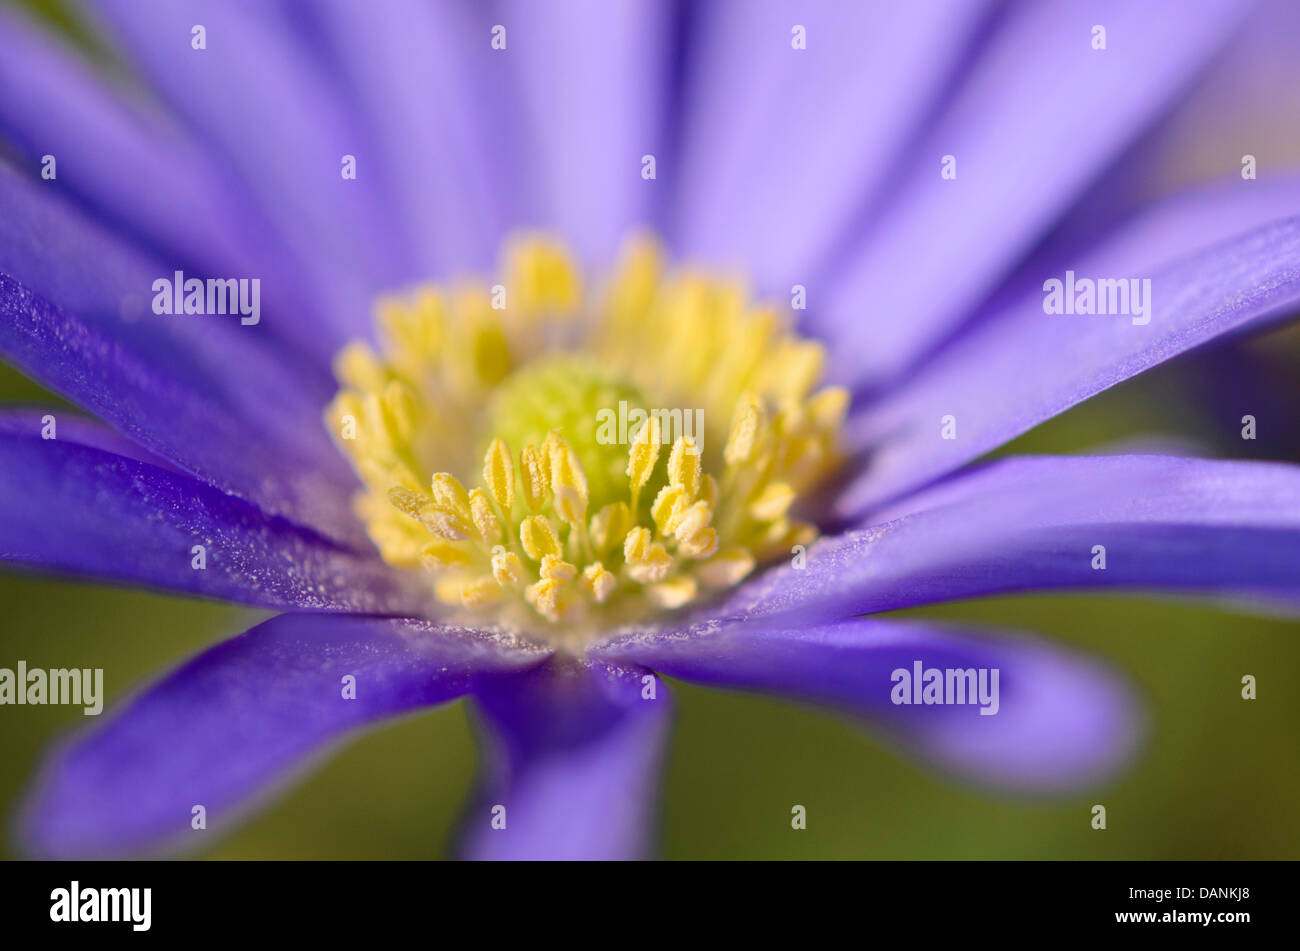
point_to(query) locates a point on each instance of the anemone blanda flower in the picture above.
(495, 548)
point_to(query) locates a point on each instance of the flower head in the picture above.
(598, 524)
(474, 519)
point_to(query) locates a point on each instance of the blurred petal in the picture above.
(1194, 526)
(1024, 366)
(156, 184)
(86, 511)
(595, 83)
(781, 145)
(265, 104)
(433, 92)
(1039, 117)
(221, 400)
(1059, 722)
(236, 719)
(573, 755)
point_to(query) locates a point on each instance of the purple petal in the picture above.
(1040, 116)
(573, 757)
(87, 511)
(1192, 526)
(155, 183)
(268, 107)
(1060, 720)
(780, 146)
(1024, 366)
(27, 422)
(235, 720)
(221, 400)
(432, 92)
(595, 84)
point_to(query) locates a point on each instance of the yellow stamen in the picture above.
(536, 478)
(499, 474)
(538, 538)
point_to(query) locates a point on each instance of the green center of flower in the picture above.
(572, 395)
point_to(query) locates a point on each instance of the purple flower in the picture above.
(916, 169)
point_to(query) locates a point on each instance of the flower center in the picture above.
(563, 466)
(571, 394)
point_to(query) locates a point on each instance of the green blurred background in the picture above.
(1219, 776)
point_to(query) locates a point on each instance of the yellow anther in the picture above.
(746, 425)
(556, 568)
(700, 545)
(489, 348)
(568, 480)
(636, 546)
(535, 474)
(668, 507)
(643, 454)
(358, 366)
(447, 587)
(801, 533)
(827, 407)
(726, 568)
(633, 289)
(409, 502)
(773, 502)
(379, 428)
(450, 496)
(674, 592)
(598, 582)
(399, 404)
(541, 279)
(444, 524)
(684, 465)
(692, 520)
(507, 569)
(609, 525)
(538, 537)
(653, 567)
(440, 555)
(485, 520)
(545, 596)
(499, 474)
(479, 591)
(796, 368)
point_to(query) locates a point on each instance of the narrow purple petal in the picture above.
(78, 509)
(1039, 117)
(27, 423)
(573, 759)
(1024, 366)
(1059, 720)
(595, 83)
(1192, 526)
(236, 719)
(781, 145)
(432, 93)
